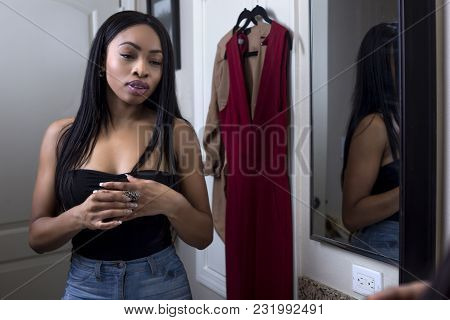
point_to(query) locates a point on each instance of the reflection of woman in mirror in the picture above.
(370, 175)
(120, 229)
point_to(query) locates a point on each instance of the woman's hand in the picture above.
(155, 198)
(105, 210)
(408, 291)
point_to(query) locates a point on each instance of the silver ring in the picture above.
(133, 195)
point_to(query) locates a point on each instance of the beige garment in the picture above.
(215, 163)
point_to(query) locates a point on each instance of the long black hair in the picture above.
(77, 142)
(375, 89)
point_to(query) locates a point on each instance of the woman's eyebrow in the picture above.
(139, 48)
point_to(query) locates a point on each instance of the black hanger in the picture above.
(260, 11)
(250, 16)
(257, 11)
(246, 14)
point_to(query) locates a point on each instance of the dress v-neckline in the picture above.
(242, 81)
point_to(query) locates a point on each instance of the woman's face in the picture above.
(134, 64)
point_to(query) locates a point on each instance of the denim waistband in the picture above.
(159, 258)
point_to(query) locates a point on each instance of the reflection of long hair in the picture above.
(375, 89)
(77, 142)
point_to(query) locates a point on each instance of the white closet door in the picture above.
(212, 20)
(43, 58)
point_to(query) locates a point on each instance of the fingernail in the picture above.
(119, 222)
(94, 191)
(101, 184)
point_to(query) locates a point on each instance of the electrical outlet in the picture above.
(366, 281)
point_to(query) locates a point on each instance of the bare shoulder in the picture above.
(52, 136)
(181, 125)
(186, 145)
(183, 131)
(57, 127)
(372, 126)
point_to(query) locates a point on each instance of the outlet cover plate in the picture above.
(366, 281)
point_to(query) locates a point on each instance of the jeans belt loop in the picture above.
(98, 266)
(152, 264)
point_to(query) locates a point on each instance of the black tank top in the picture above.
(133, 239)
(388, 179)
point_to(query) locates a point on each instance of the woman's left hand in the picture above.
(155, 198)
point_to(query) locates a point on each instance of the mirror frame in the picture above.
(418, 169)
(418, 155)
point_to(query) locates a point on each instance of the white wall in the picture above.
(41, 48)
(185, 94)
(203, 24)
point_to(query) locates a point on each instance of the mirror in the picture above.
(356, 125)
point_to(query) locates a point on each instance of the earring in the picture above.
(101, 73)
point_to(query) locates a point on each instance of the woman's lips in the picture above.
(137, 87)
(136, 91)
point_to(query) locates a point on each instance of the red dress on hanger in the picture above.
(259, 261)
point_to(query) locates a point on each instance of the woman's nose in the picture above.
(140, 68)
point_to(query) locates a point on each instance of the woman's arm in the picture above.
(192, 220)
(47, 232)
(368, 145)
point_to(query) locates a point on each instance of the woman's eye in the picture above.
(154, 62)
(126, 56)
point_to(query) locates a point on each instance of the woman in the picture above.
(370, 174)
(120, 230)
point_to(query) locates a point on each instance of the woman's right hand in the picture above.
(104, 209)
(408, 291)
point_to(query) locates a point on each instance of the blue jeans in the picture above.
(158, 276)
(381, 238)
